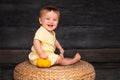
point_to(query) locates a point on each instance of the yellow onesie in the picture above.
(48, 45)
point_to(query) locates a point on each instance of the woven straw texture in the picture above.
(79, 71)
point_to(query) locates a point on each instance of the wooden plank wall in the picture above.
(90, 55)
(91, 27)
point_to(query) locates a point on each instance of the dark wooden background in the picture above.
(88, 26)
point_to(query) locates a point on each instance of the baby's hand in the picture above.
(61, 51)
(61, 55)
(44, 56)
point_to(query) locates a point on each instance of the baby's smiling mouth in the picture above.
(50, 25)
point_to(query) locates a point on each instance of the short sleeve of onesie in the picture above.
(39, 34)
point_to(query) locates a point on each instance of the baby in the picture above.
(45, 41)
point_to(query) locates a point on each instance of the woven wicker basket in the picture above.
(79, 71)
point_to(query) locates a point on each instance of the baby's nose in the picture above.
(51, 21)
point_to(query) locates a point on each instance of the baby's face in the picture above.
(49, 20)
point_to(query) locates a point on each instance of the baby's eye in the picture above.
(54, 19)
(47, 19)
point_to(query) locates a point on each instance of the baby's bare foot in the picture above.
(77, 57)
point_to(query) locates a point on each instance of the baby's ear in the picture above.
(40, 20)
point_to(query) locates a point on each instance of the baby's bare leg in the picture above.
(68, 61)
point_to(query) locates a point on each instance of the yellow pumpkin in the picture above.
(43, 62)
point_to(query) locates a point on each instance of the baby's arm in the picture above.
(57, 44)
(38, 48)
